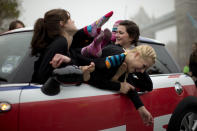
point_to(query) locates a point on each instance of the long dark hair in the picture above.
(47, 28)
(132, 29)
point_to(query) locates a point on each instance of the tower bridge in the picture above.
(184, 17)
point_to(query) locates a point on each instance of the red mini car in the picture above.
(23, 106)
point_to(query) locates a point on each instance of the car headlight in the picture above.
(4, 106)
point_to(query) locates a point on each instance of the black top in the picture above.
(102, 76)
(42, 68)
(193, 64)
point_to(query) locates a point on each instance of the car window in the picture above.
(13, 49)
(164, 62)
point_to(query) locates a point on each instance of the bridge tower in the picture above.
(186, 22)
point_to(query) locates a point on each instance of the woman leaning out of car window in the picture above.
(53, 36)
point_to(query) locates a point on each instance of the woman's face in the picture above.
(70, 26)
(136, 63)
(122, 37)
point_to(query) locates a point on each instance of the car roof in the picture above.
(26, 29)
(149, 40)
(29, 29)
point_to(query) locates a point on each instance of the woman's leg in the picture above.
(85, 36)
(81, 39)
(95, 48)
(94, 29)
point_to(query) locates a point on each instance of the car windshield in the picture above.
(13, 48)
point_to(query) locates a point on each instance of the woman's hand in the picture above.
(125, 87)
(145, 115)
(58, 59)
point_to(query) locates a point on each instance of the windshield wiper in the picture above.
(3, 79)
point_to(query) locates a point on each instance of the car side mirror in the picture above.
(68, 74)
(51, 87)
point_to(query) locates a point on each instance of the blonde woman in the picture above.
(133, 60)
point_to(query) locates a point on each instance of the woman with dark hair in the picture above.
(127, 29)
(16, 24)
(53, 36)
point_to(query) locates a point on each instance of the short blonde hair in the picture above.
(146, 51)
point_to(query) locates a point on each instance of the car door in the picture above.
(80, 107)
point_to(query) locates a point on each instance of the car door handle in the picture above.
(178, 88)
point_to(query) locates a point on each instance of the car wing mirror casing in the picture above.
(51, 87)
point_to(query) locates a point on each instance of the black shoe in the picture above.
(69, 74)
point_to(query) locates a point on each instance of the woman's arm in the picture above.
(143, 81)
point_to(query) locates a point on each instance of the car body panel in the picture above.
(93, 109)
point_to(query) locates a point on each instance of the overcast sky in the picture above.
(84, 12)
